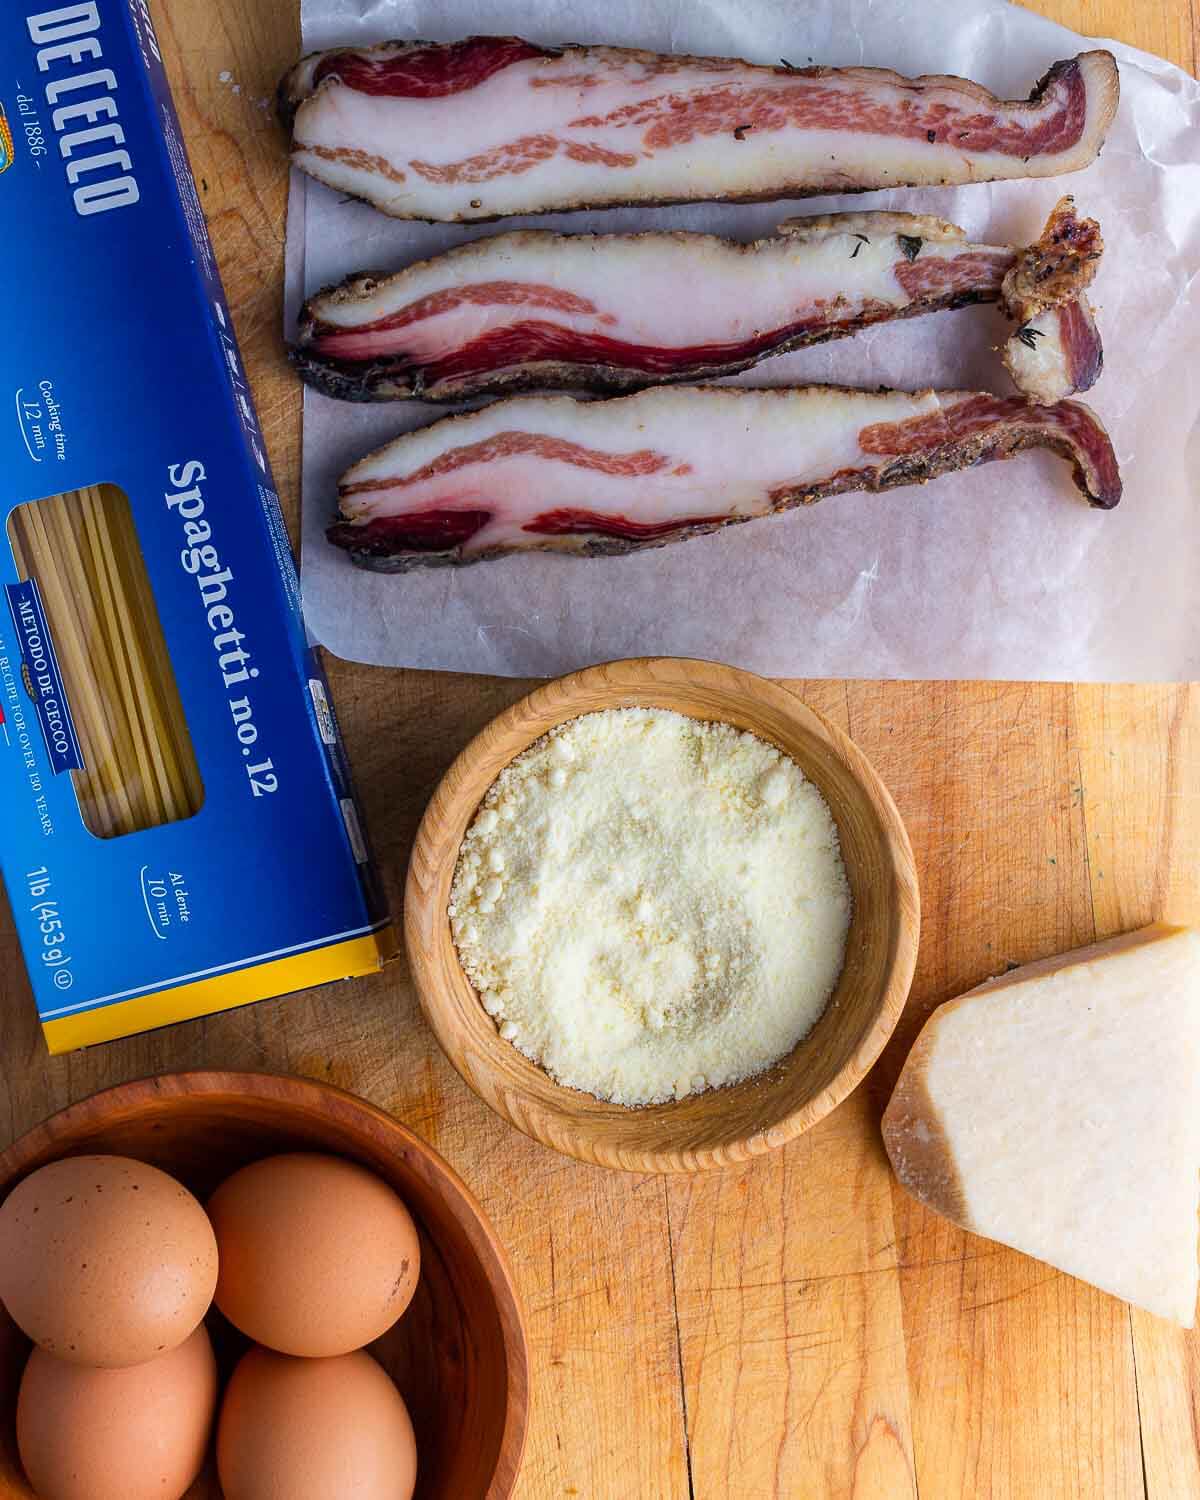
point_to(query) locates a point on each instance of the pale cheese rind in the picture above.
(1057, 1109)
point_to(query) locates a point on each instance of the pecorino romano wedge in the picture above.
(609, 313)
(490, 126)
(588, 478)
(1057, 1109)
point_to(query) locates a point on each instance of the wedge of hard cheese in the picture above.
(1057, 1109)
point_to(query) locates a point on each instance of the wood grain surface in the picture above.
(796, 1328)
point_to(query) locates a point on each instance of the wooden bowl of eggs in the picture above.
(644, 968)
(329, 1217)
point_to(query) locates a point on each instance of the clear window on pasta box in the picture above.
(96, 663)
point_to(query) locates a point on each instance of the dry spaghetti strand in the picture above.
(139, 765)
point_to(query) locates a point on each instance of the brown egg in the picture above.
(313, 1429)
(105, 1261)
(134, 1434)
(318, 1255)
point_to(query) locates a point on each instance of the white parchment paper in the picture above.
(1000, 572)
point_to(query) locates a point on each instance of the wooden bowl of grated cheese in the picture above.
(715, 1126)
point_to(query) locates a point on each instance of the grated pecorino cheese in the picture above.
(649, 905)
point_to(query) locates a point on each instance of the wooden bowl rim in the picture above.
(643, 675)
(216, 1084)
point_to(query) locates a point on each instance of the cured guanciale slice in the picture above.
(1056, 350)
(613, 312)
(490, 126)
(593, 477)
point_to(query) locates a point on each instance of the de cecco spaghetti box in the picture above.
(179, 835)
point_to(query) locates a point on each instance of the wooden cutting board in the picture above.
(797, 1328)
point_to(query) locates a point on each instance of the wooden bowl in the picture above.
(720, 1126)
(458, 1354)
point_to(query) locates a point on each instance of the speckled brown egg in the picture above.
(105, 1261)
(134, 1434)
(318, 1255)
(312, 1429)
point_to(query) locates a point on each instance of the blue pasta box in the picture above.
(180, 835)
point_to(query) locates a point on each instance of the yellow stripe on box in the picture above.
(203, 997)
